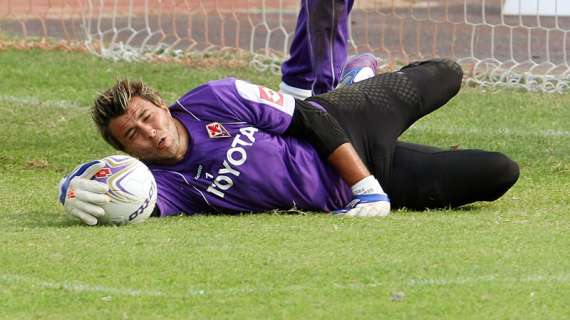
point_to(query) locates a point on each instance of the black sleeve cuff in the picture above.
(316, 126)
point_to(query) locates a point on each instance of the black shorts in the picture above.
(376, 111)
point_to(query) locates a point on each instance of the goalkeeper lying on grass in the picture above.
(230, 146)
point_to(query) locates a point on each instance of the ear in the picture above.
(165, 107)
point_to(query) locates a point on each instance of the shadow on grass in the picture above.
(42, 219)
(466, 209)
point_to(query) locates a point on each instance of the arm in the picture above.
(348, 164)
(321, 129)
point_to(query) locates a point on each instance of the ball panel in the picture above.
(132, 190)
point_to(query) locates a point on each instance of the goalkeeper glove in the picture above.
(369, 200)
(82, 197)
(366, 205)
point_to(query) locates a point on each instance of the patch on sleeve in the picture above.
(280, 101)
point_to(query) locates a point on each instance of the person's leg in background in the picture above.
(319, 48)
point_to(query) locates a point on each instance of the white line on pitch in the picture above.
(78, 287)
(565, 278)
(494, 132)
(33, 101)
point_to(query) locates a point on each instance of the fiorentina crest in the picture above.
(216, 130)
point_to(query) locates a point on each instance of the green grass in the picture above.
(503, 260)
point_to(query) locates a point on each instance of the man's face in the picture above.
(148, 132)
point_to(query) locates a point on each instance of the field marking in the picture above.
(78, 287)
(564, 278)
(25, 101)
(494, 132)
(529, 132)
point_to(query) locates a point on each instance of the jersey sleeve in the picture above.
(240, 101)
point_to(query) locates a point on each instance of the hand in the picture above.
(82, 197)
(366, 205)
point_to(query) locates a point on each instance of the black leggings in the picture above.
(425, 177)
(376, 111)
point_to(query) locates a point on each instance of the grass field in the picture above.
(503, 260)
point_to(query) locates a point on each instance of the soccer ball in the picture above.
(132, 190)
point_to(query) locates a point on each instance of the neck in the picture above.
(184, 140)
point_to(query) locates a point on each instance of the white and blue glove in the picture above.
(369, 200)
(82, 197)
(366, 205)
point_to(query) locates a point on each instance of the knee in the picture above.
(503, 175)
(437, 80)
(451, 74)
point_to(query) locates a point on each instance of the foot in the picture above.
(358, 68)
(297, 93)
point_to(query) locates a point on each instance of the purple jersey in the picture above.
(238, 161)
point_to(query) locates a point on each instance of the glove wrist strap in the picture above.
(368, 185)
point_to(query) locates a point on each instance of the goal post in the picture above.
(500, 43)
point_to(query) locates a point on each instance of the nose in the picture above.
(149, 131)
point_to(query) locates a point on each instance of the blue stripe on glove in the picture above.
(67, 179)
(362, 199)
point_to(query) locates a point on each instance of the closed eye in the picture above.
(132, 134)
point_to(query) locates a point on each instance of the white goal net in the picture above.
(500, 43)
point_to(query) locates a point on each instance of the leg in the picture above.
(437, 82)
(376, 111)
(425, 177)
(319, 48)
(388, 104)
